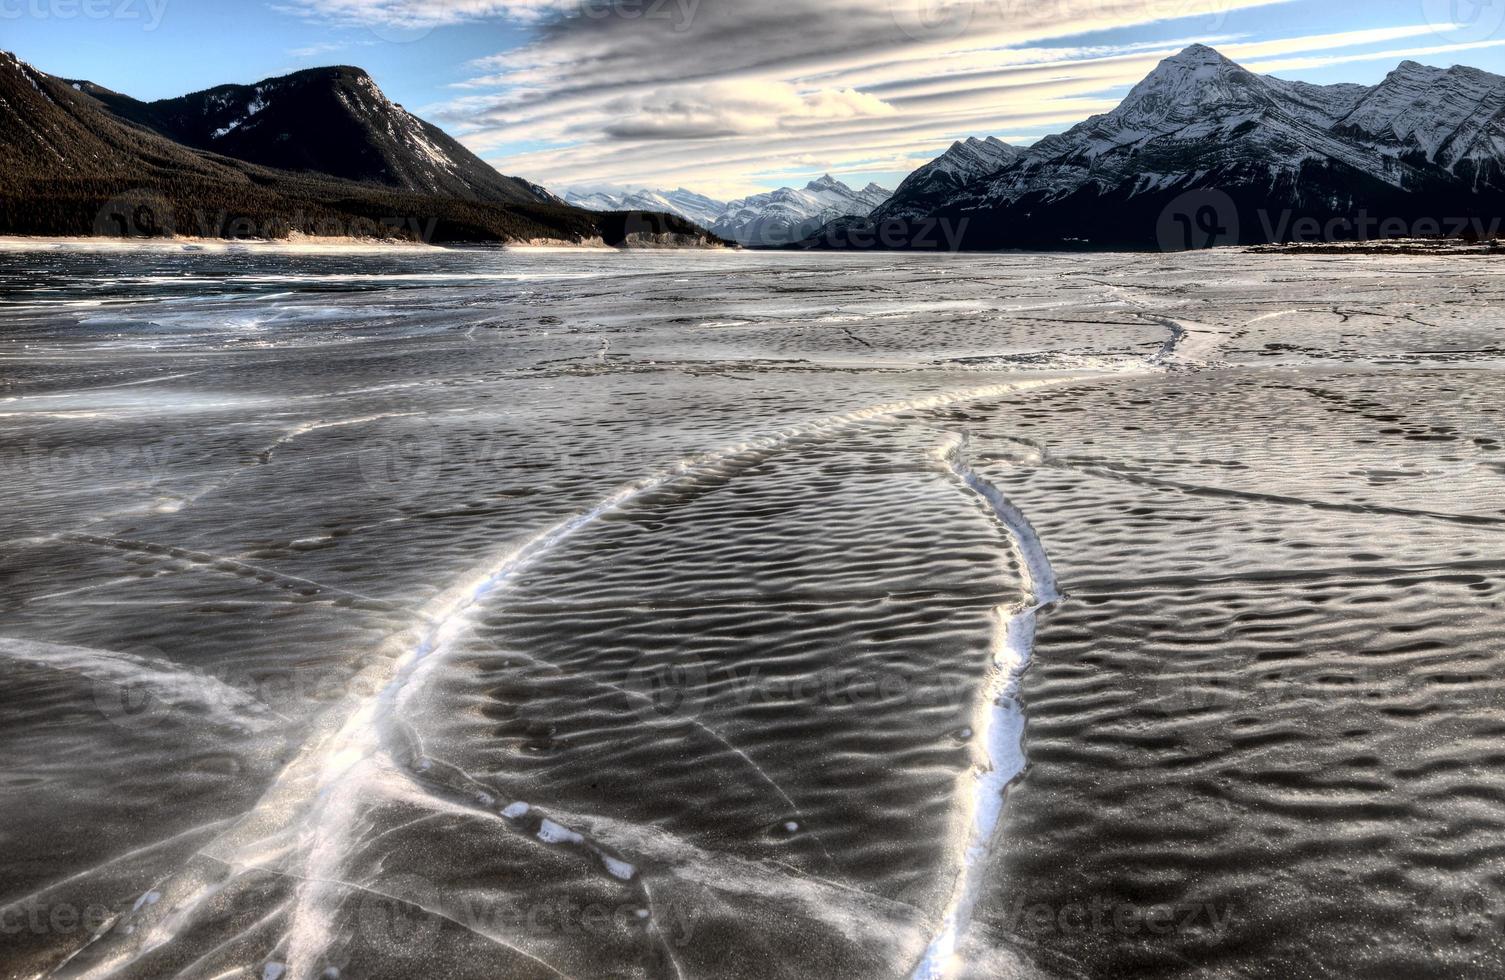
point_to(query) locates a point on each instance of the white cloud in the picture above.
(730, 108)
(713, 93)
(743, 83)
(325, 47)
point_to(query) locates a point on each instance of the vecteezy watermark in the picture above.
(1205, 218)
(1100, 916)
(1201, 701)
(1364, 227)
(146, 694)
(42, 467)
(1209, 218)
(224, 224)
(148, 12)
(1461, 913)
(141, 213)
(408, 911)
(404, 463)
(666, 691)
(402, 460)
(146, 213)
(402, 30)
(1188, 691)
(35, 917)
(245, 697)
(403, 912)
(946, 20)
(1465, 21)
(409, 27)
(929, 234)
(934, 20)
(1209, 15)
(679, 15)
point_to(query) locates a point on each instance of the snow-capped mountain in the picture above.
(789, 214)
(1451, 118)
(1424, 141)
(936, 182)
(775, 218)
(1197, 115)
(687, 204)
(332, 121)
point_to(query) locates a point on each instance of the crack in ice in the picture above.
(449, 616)
(997, 744)
(319, 792)
(228, 565)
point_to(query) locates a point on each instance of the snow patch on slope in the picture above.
(789, 214)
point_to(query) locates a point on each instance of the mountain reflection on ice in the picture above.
(510, 613)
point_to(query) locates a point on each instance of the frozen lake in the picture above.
(666, 614)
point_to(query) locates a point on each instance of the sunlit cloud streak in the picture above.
(730, 96)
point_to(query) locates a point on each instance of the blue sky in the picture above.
(733, 96)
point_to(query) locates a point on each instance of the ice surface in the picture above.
(732, 565)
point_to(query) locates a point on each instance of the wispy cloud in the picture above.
(722, 93)
(324, 47)
(730, 108)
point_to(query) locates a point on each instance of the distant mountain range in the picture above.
(320, 152)
(776, 218)
(1201, 152)
(687, 204)
(1204, 152)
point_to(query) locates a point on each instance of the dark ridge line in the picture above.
(849, 333)
(1109, 472)
(1417, 573)
(236, 567)
(813, 597)
(1379, 510)
(1089, 323)
(1168, 348)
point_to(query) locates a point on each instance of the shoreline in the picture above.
(187, 243)
(343, 245)
(316, 245)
